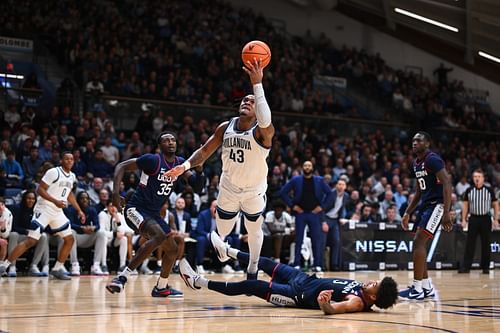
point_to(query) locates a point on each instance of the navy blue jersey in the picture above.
(425, 171)
(308, 290)
(154, 189)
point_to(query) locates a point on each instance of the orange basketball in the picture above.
(256, 49)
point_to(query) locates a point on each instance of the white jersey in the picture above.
(244, 163)
(60, 186)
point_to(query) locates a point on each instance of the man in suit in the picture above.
(308, 193)
(206, 224)
(334, 206)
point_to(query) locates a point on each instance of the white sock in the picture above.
(255, 240)
(426, 283)
(177, 262)
(418, 285)
(201, 282)
(145, 264)
(126, 272)
(233, 253)
(6, 263)
(58, 265)
(162, 283)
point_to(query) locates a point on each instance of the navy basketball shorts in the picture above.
(135, 218)
(429, 219)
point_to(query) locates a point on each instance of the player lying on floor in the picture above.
(291, 287)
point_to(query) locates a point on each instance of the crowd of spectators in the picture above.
(174, 51)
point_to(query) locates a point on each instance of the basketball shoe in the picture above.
(412, 293)
(219, 246)
(117, 284)
(188, 275)
(166, 292)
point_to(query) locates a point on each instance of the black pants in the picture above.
(478, 225)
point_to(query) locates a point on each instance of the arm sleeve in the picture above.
(149, 163)
(434, 163)
(262, 110)
(50, 176)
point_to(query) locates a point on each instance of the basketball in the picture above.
(256, 49)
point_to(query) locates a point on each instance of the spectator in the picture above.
(309, 191)
(206, 224)
(384, 205)
(5, 229)
(392, 216)
(31, 164)
(462, 186)
(13, 170)
(110, 152)
(334, 206)
(86, 234)
(281, 228)
(100, 167)
(23, 214)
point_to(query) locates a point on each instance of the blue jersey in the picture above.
(309, 288)
(154, 189)
(425, 171)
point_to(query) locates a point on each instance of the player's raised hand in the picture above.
(324, 296)
(447, 222)
(175, 172)
(254, 70)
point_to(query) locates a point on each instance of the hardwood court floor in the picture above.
(466, 303)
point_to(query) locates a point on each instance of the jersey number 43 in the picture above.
(237, 155)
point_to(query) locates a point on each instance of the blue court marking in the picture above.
(318, 318)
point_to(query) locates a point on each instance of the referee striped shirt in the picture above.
(479, 199)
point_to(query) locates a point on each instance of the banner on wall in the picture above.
(16, 44)
(368, 246)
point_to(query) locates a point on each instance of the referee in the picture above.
(478, 201)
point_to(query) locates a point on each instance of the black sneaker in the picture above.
(117, 284)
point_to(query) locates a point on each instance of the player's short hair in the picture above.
(426, 135)
(160, 136)
(64, 152)
(387, 294)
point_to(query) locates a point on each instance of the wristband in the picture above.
(186, 165)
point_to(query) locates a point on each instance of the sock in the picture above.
(426, 283)
(6, 263)
(162, 283)
(202, 282)
(126, 272)
(158, 262)
(255, 240)
(58, 266)
(233, 253)
(145, 264)
(417, 284)
(177, 262)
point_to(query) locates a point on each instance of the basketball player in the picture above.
(55, 190)
(291, 287)
(245, 141)
(142, 211)
(434, 191)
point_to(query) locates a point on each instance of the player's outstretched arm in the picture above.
(201, 154)
(265, 129)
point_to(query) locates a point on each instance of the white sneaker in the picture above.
(219, 246)
(12, 271)
(145, 270)
(75, 270)
(45, 270)
(96, 270)
(199, 268)
(227, 269)
(188, 275)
